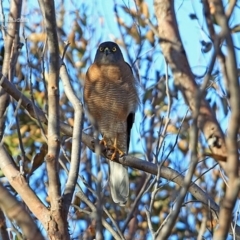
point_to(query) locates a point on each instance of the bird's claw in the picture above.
(103, 142)
(113, 151)
(116, 153)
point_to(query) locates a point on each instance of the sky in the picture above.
(101, 15)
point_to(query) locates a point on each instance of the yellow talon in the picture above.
(103, 142)
(116, 150)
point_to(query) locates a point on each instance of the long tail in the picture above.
(119, 182)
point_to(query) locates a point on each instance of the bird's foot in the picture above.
(107, 149)
(116, 153)
(103, 142)
(112, 151)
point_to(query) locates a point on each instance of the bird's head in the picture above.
(108, 52)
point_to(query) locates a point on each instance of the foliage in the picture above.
(162, 131)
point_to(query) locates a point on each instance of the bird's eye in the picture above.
(101, 49)
(114, 49)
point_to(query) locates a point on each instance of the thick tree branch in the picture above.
(19, 183)
(175, 55)
(130, 161)
(15, 211)
(48, 11)
(60, 228)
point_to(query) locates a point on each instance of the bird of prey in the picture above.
(111, 100)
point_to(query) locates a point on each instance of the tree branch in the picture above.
(17, 212)
(76, 139)
(166, 230)
(81, 195)
(175, 55)
(19, 183)
(233, 188)
(127, 160)
(11, 47)
(60, 228)
(48, 11)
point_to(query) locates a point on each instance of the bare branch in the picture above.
(175, 56)
(232, 4)
(168, 226)
(81, 195)
(11, 47)
(48, 11)
(93, 207)
(19, 183)
(76, 139)
(60, 228)
(17, 212)
(203, 227)
(136, 202)
(232, 191)
(25, 102)
(133, 162)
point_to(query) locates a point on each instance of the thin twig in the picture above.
(19, 134)
(135, 203)
(167, 228)
(202, 227)
(89, 203)
(82, 196)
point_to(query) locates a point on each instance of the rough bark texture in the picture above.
(175, 56)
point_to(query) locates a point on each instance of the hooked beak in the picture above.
(106, 51)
